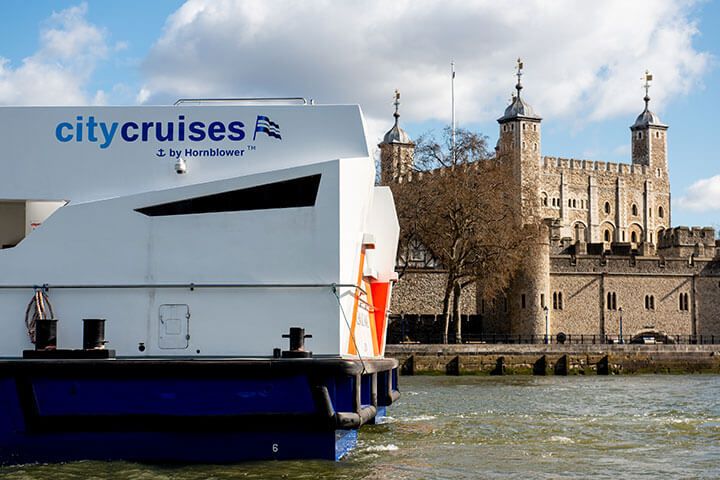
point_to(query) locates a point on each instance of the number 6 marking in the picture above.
(275, 448)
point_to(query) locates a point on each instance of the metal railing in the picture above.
(570, 339)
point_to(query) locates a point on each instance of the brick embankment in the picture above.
(497, 359)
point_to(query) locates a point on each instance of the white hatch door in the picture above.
(174, 326)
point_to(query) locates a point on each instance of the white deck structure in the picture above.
(218, 261)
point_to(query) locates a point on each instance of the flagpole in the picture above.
(452, 88)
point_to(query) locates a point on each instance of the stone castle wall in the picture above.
(621, 199)
(420, 291)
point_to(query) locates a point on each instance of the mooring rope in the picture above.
(37, 309)
(352, 334)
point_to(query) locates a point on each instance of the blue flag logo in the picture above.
(264, 125)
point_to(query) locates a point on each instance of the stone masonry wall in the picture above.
(420, 291)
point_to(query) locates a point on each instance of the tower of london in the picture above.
(609, 257)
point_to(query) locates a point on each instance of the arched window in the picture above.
(607, 235)
(557, 301)
(649, 302)
(684, 302)
(661, 212)
(544, 199)
(607, 207)
(634, 210)
(612, 301)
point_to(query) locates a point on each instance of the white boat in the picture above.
(200, 233)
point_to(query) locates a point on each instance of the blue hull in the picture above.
(210, 411)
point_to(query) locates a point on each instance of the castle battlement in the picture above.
(687, 237)
(559, 163)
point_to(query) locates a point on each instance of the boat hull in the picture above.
(200, 410)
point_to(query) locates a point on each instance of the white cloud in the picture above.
(142, 96)
(57, 74)
(702, 196)
(583, 60)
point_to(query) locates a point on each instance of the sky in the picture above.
(583, 66)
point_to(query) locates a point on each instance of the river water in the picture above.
(641, 426)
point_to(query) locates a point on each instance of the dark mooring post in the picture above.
(297, 338)
(46, 334)
(93, 333)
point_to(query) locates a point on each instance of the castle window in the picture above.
(534, 128)
(512, 126)
(522, 301)
(569, 203)
(649, 302)
(640, 135)
(535, 147)
(543, 199)
(607, 207)
(611, 301)
(607, 235)
(574, 203)
(482, 306)
(661, 212)
(524, 126)
(623, 236)
(633, 237)
(658, 173)
(504, 128)
(684, 303)
(557, 301)
(657, 134)
(634, 209)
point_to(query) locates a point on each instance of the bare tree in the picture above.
(458, 204)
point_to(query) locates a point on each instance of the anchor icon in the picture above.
(160, 152)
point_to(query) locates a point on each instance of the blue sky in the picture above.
(583, 64)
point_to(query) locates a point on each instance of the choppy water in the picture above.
(500, 427)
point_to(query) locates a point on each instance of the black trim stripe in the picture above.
(294, 193)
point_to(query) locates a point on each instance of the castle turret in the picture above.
(519, 143)
(649, 141)
(396, 150)
(649, 149)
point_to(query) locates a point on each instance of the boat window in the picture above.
(18, 218)
(298, 192)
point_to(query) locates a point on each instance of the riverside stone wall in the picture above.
(484, 359)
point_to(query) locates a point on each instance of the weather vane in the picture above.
(397, 104)
(519, 73)
(648, 78)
